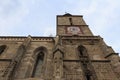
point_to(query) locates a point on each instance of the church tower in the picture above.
(72, 25)
(73, 54)
(85, 56)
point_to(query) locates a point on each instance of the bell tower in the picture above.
(68, 24)
(85, 56)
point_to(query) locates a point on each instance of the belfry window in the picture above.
(38, 64)
(82, 51)
(2, 48)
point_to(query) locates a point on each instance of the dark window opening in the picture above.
(82, 51)
(2, 48)
(70, 19)
(88, 77)
(85, 65)
(88, 74)
(38, 65)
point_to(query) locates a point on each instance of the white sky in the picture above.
(38, 17)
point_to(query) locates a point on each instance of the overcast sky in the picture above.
(38, 17)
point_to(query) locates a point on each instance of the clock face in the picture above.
(73, 30)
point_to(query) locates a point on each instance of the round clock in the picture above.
(73, 30)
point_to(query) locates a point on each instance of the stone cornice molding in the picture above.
(111, 54)
(22, 38)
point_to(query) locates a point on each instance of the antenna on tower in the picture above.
(65, 12)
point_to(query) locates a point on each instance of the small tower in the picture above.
(68, 24)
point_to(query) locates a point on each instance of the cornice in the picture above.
(111, 54)
(22, 38)
(86, 60)
(81, 37)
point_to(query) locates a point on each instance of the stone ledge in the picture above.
(5, 59)
(80, 37)
(22, 38)
(100, 61)
(111, 54)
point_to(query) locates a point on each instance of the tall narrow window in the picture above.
(82, 51)
(70, 19)
(88, 77)
(38, 65)
(87, 72)
(2, 48)
(85, 63)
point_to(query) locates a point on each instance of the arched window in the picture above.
(2, 48)
(39, 62)
(82, 51)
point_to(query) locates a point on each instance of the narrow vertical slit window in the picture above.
(38, 65)
(70, 19)
(88, 77)
(81, 52)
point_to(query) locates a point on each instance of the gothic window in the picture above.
(2, 48)
(82, 51)
(87, 72)
(39, 63)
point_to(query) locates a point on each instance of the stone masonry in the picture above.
(73, 54)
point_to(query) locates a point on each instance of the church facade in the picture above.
(74, 54)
